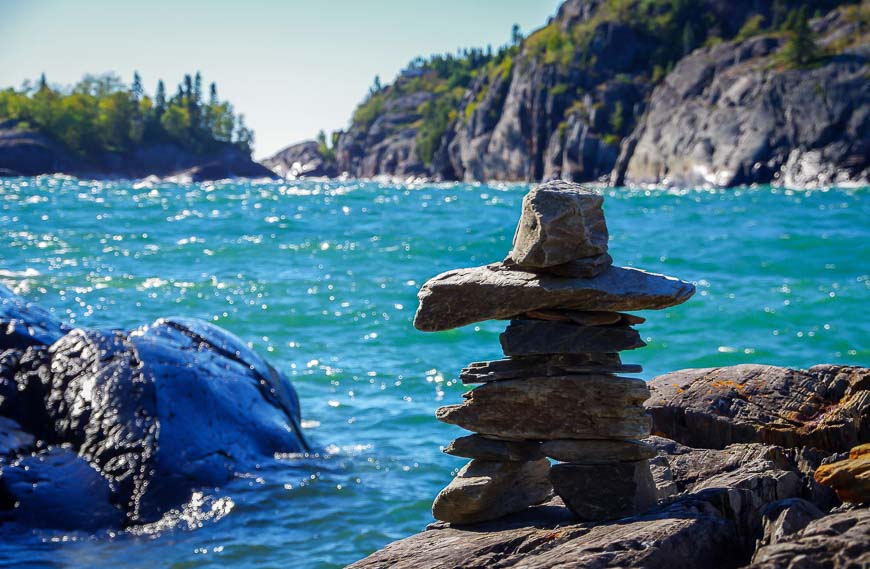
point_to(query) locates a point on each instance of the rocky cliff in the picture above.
(634, 92)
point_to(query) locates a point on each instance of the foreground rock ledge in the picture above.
(491, 292)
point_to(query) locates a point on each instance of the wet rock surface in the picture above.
(152, 413)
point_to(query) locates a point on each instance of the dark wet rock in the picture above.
(560, 222)
(483, 448)
(592, 451)
(26, 324)
(464, 296)
(533, 337)
(13, 439)
(826, 407)
(301, 160)
(597, 492)
(786, 517)
(486, 490)
(157, 412)
(850, 478)
(841, 540)
(566, 407)
(543, 366)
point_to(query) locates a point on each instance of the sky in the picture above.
(292, 67)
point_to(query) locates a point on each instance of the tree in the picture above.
(617, 118)
(800, 50)
(688, 38)
(244, 136)
(516, 35)
(136, 90)
(197, 89)
(212, 94)
(42, 83)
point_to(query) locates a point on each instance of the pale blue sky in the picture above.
(291, 67)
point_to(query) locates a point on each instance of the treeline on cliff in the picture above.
(101, 114)
(566, 100)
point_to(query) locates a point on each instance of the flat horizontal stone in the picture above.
(464, 296)
(560, 221)
(598, 451)
(566, 407)
(480, 447)
(586, 318)
(599, 492)
(542, 366)
(530, 337)
(486, 490)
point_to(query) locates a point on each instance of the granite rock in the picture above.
(482, 448)
(532, 337)
(598, 492)
(598, 451)
(464, 296)
(486, 490)
(560, 222)
(562, 407)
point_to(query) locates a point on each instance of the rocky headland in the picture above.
(744, 466)
(628, 93)
(111, 428)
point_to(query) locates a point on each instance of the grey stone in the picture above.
(542, 366)
(564, 407)
(464, 296)
(586, 318)
(786, 517)
(532, 337)
(486, 490)
(560, 222)
(597, 451)
(584, 268)
(604, 491)
(483, 448)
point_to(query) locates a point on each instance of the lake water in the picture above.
(321, 278)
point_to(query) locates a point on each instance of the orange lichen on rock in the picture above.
(849, 478)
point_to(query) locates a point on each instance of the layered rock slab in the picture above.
(566, 407)
(487, 490)
(492, 292)
(541, 366)
(850, 478)
(826, 407)
(483, 448)
(597, 451)
(533, 337)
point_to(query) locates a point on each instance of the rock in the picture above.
(837, 540)
(786, 517)
(156, 412)
(482, 448)
(587, 318)
(544, 366)
(598, 492)
(13, 440)
(850, 478)
(301, 160)
(585, 268)
(560, 222)
(597, 451)
(533, 337)
(491, 292)
(566, 407)
(826, 407)
(485, 490)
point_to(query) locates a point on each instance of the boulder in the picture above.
(482, 448)
(542, 366)
(492, 292)
(783, 518)
(485, 490)
(562, 407)
(533, 337)
(301, 160)
(826, 407)
(850, 478)
(598, 492)
(597, 451)
(560, 222)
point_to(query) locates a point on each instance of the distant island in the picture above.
(100, 127)
(681, 92)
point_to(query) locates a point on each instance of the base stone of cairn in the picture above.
(556, 395)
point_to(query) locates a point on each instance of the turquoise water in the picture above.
(321, 278)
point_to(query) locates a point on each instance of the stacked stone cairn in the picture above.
(557, 394)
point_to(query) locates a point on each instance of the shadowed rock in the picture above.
(532, 337)
(480, 447)
(543, 366)
(586, 318)
(567, 407)
(597, 451)
(595, 492)
(492, 292)
(783, 518)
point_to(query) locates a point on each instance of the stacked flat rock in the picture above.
(557, 394)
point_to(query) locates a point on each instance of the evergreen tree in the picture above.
(688, 39)
(516, 35)
(213, 95)
(160, 99)
(136, 91)
(197, 89)
(43, 85)
(800, 50)
(187, 89)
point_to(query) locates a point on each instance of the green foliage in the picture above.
(753, 27)
(617, 118)
(323, 148)
(800, 49)
(100, 114)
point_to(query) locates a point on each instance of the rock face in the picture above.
(826, 407)
(851, 477)
(727, 116)
(607, 491)
(485, 490)
(302, 160)
(559, 223)
(136, 413)
(464, 296)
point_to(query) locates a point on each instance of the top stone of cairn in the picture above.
(560, 222)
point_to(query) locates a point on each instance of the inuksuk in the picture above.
(558, 393)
